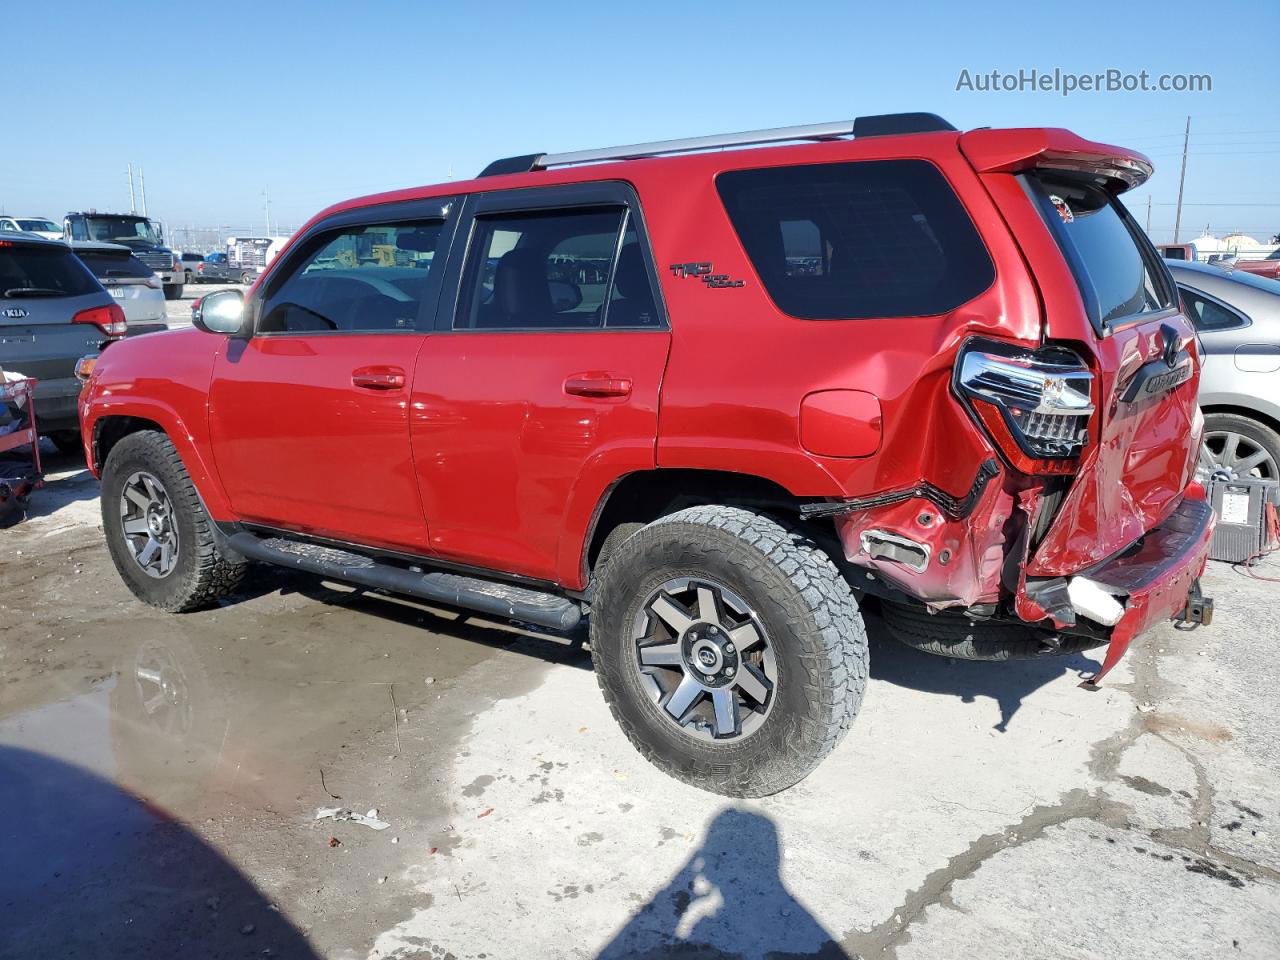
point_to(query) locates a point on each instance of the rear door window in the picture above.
(567, 269)
(365, 278)
(1118, 271)
(876, 238)
(28, 271)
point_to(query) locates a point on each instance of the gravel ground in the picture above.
(160, 778)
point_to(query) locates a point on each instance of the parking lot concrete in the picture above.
(160, 779)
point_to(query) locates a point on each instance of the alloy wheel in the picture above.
(705, 659)
(1233, 456)
(148, 523)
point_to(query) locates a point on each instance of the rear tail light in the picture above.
(110, 320)
(199, 268)
(1036, 404)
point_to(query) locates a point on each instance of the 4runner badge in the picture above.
(702, 270)
(14, 313)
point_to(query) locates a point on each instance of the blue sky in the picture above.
(315, 102)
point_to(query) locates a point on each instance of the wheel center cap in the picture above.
(706, 656)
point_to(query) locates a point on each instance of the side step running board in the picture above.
(484, 596)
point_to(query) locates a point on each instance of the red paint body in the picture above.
(498, 449)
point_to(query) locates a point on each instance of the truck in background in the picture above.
(145, 237)
(253, 253)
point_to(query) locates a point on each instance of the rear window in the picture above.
(112, 266)
(29, 271)
(881, 238)
(1116, 268)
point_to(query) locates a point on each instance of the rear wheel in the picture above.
(158, 534)
(1236, 448)
(954, 635)
(729, 649)
(172, 291)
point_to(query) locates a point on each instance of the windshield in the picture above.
(112, 265)
(45, 271)
(48, 226)
(122, 228)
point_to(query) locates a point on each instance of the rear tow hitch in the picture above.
(1199, 610)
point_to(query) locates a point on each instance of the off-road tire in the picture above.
(68, 442)
(805, 605)
(203, 573)
(953, 635)
(617, 536)
(173, 291)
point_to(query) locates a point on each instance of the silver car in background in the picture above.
(1237, 318)
(131, 282)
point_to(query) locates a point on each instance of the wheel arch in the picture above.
(112, 427)
(1266, 418)
(645, 495)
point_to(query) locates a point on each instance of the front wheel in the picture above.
(158, 534)
(729, 649)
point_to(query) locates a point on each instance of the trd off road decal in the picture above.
(702, 270)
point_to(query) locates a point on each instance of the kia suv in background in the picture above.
(130, 281)
(53, 311)
(40, 226)
(1237, 317)
(716, 402)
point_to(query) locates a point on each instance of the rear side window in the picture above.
(556, 269)
(1117, 270)
(1208, 315)
(880, 238)
(362, 278)
(28, 271)
(110, 266)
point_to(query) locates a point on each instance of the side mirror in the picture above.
(220, 312)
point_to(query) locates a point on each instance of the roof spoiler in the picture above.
(1039, 148)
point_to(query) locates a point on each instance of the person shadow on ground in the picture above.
(88, 870)
(728, 900)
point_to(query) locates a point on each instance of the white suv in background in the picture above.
(40, 226)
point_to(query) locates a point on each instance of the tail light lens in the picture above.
(1036, 404)
(110, 320)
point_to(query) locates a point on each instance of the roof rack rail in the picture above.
(875, 126)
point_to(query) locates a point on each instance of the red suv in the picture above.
(719, 400)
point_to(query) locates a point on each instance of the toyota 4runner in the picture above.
(718, 400)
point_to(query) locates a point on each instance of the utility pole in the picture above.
(266, 205)
(133, 207)
(1182, 179)
(142, 182)
(1148, 215)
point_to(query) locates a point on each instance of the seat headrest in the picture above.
(631, 278)
(520, 288)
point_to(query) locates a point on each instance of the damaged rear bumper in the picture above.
(1156, 579)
